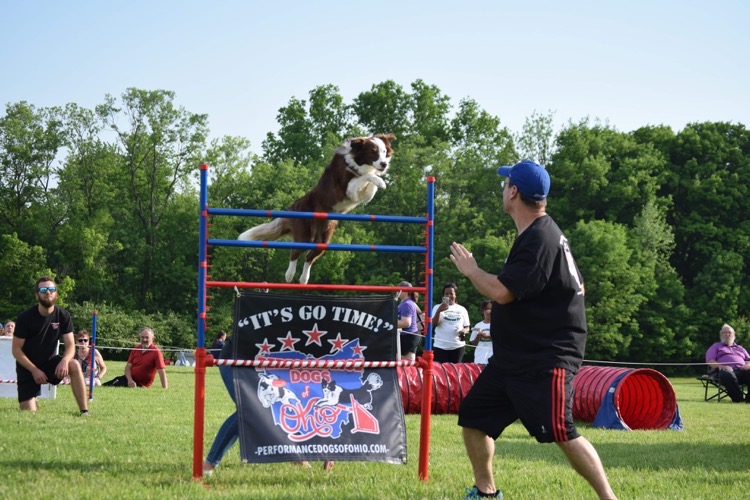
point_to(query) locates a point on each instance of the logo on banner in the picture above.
(308, 403)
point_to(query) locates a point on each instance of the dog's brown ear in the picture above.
(357, 143)
(386, 138)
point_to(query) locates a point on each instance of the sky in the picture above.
(629, 64)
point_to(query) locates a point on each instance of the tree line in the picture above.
(106, 200)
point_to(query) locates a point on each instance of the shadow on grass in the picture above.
(125, 469)
(638, 456)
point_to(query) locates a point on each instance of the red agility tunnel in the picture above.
(450, 383)
(640, 399)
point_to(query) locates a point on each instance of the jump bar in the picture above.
(313, 246)
(284, 214)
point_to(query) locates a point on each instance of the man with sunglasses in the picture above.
(38, 331)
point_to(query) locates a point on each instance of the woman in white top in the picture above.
(450, 323)
(480, 335)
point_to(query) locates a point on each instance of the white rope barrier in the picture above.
(650, 364)
(407, 363)
(162, 349)
(306, 363)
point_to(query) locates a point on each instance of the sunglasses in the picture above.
(50, 289)
(83, 340)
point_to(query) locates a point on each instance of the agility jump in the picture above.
(203, 360)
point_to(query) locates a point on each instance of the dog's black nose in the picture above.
(383, 164)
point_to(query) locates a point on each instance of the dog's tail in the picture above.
(270, 231)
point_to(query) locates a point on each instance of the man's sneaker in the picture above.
(84, 413)
(473, 493)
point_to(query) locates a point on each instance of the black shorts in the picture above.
(448, 356)
(27, 388)
(121, 381)
(410, 341)
(543, 401)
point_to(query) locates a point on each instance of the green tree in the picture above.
(20, 266)
(710, 165)
(429, 114)
(308, 132)
(716, 293)
(330, 118)
(159, 146)
(293, 140)
(600, 173)
(536, 140)
(469, 195)
(30, 140)
(664, 331)
(384, 109)
(88, 184)
(613, 286)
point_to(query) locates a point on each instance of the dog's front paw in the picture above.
(377, 181)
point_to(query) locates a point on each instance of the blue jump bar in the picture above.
(316, 215)
(313, 246)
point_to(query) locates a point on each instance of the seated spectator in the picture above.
(2, 330)
(83, 355)
(732, 362)
(144, 363)
(218, 343)
(10, 327)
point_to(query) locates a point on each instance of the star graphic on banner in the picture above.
(357, 349)
(337, 343)
(288, 341)
(313, 336)
(265, 347)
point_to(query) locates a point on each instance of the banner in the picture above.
(8, 372)
(318, 414)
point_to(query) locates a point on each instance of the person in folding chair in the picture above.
(732, 363)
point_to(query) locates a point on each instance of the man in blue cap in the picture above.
(538, 330)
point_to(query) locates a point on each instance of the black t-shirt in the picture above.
(545, 326)
(42, 333)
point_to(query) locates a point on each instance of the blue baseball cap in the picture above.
(530, 178)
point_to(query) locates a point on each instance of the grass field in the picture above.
(138, 444)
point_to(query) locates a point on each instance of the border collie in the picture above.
(271, 390)
(334, 395)
(351, 178)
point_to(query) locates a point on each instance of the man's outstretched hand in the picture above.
(463, 259)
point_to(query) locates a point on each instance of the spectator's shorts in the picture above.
(409, 342)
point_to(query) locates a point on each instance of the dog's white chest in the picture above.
(359, 190)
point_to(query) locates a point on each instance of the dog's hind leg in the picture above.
(302, 232)
(292, 269)
(321, 237)
(305, 276)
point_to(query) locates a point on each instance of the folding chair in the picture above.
(711, 384)
(713, 388)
